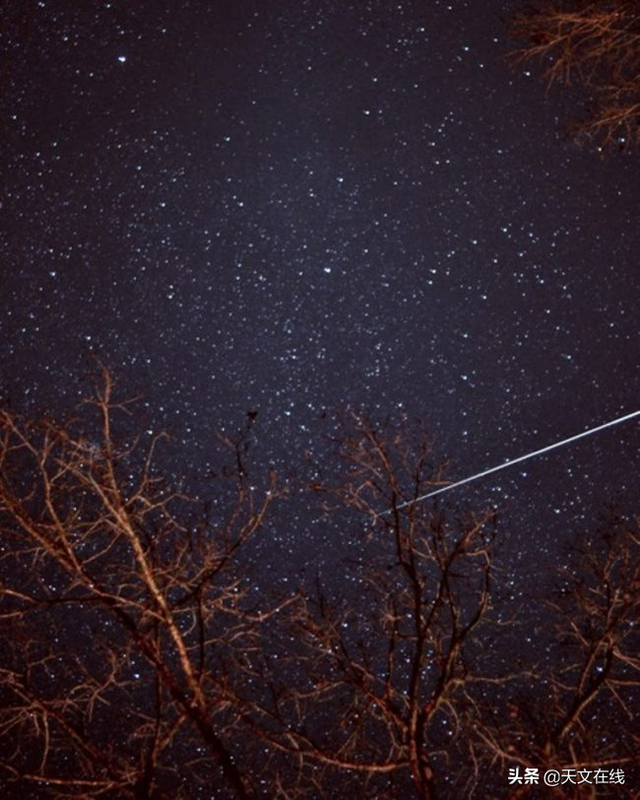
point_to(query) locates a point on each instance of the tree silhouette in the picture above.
(595, 45)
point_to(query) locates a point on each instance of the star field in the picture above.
(295, 207)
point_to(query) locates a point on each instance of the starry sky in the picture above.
(296, 206)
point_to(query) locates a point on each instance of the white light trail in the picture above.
(513, 461)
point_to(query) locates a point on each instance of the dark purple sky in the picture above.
(295, 206)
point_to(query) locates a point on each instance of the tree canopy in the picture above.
(594, 46)
(138, 662)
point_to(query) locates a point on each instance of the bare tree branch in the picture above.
(595, 45)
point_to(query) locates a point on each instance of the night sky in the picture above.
(297, 206)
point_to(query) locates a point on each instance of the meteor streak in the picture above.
(518, 460)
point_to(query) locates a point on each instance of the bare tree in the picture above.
(582, 715)
(420, 683)
(386, 703)
(138, 662)
(122, 615)
(597, 46)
